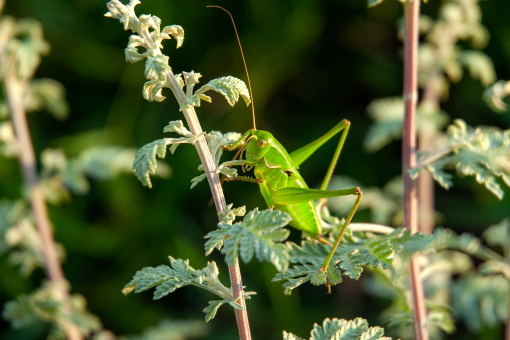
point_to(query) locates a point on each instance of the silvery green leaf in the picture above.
(175, 31)
(352, 265)
(210, 311)
(216, 141)
(157, 67)
(191, 79)
(179, 80)
(152, 91)
(46, 305)
(167, 279)
(481, 301)
(442, 178)
(388, 114)
(480, 66)
(216, 238)
(290, 336)
(197, 179)
(47, 94)
(145, 160)
(319, 278)
(327, 330)
(499, 235)
(494, 95)
(229, 214)
(133, 56)
(259, 235)
(125, 14)
(151, 22)
(297, 275)
(231, 88)
(178, 127)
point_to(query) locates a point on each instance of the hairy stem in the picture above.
(412, 14)
(26, 155)
(214, 183)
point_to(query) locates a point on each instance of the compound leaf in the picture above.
(258, 235)
(230, 87)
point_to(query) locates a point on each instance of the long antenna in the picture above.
(244, 61)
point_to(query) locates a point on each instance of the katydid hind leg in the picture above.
(340, 235)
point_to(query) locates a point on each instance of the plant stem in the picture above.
(429, 103)
(14, 92)
(214, 183)
(412, 16)
(219, 200)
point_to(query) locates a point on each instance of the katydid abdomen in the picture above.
(276, 177)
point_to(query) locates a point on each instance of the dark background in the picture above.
(312, 63)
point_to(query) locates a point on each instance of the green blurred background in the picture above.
(312, 63)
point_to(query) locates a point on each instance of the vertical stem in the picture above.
(26, 155)
(429, 103)
(219, 201)
(412, 16)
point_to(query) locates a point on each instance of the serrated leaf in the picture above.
(377, 251)
(319, 278)
(259, 234)
(388, 114)
(444, 179)
(290, 336)
(150, 277)
(480, 66)
(157, 67)
(210, 311)
(327, 330)
(351, 264)
(216, 238)
(145, 162)
(481, 301)
(351, 330)
(179, 274)
(499, 235)
(178, 127)
(175, 31)
(47, 94)
(230, 87)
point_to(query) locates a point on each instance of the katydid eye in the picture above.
(262, 143)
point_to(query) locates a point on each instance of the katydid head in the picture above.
(259, 144)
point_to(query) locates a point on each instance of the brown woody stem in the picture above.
(14, 93)
(412, 16)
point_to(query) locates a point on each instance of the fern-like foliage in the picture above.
(481, 301)
(258, 235)
(145, 162)
(62, 175)
(384, 204)
(46, 305)
(483, 152)
(355, 250)
(388, 116)
(167, 279)
(20, 239)
(215, 142)
(340, 329)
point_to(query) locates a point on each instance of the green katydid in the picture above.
(280, 183)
